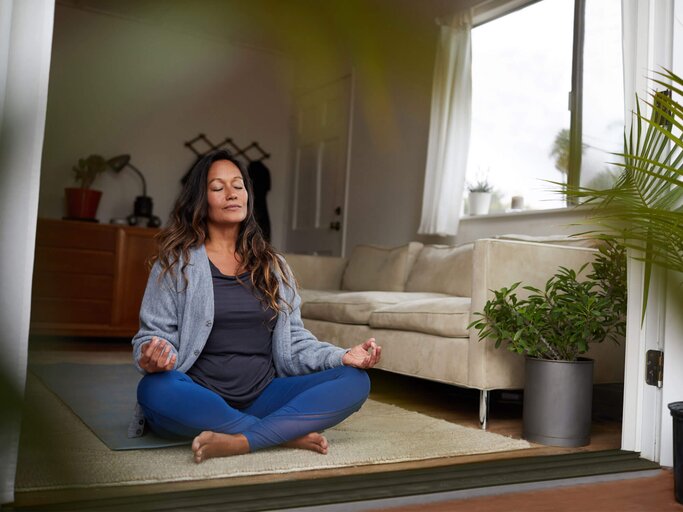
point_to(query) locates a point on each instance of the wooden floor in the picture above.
(430, 398)
(655, 494)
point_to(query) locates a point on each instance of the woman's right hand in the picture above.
(155, 356)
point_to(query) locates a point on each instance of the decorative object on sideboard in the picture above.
(142, 209)
(479, 198)
(82, 201)
(553, 327)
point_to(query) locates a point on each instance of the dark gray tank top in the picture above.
(237, 360)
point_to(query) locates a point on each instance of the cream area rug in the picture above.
(58, 451)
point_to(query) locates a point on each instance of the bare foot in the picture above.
(313, 441)
(213, 444)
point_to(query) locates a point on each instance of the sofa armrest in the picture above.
(317, 272)
(499, 263)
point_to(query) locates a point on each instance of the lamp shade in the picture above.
(117, 163)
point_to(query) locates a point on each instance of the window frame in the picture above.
(495, 9)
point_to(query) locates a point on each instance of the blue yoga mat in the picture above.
(103, 396)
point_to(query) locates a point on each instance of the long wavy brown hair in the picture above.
(188, 229)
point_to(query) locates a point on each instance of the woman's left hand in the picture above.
(365, 355)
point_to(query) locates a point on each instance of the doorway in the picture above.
(321, 142)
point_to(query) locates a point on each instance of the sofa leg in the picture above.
(483, 408)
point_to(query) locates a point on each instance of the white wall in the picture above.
(118, 85)
(391, 52)
(389, 151)
(25, 38)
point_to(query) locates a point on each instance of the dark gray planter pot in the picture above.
(558, 399)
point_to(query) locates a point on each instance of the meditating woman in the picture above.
(226, 358)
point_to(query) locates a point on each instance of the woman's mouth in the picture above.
(232, 207)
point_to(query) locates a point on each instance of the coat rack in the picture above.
(230, 145)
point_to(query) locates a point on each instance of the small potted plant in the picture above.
(553, 328)
(479, 197)
(82, 201)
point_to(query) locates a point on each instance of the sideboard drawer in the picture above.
(74, 261)
(71, 311)
(57, 285)
(77, 235)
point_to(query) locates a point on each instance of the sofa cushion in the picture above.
(317, 272)
(373, 268)
(442, 269)
(308, 294)
(446, 316)
(356, 307)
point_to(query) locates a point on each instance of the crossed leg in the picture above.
(290, 411)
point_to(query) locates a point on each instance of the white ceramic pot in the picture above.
(479, 203)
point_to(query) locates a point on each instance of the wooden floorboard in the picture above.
(430, 398)
(655, 494)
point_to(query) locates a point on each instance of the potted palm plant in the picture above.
(553, 328)
(82, 201)
(644, 207)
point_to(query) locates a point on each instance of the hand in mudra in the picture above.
(155, 356)
(365, 355)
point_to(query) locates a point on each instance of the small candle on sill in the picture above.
(517, 203)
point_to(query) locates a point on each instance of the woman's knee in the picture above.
(357, 382)
(154, 385)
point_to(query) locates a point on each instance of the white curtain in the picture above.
(25, 50)
(449, 129)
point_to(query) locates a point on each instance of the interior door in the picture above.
(320, 167)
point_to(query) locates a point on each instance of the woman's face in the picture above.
(227, 194)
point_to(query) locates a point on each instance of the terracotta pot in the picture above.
(82, 203)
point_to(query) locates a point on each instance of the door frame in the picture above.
(347, 171)
(291, 192)
(644, 412)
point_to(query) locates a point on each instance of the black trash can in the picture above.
(676, 409)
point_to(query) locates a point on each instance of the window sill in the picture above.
(556, 212)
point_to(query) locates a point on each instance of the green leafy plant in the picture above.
(480, 186)
(88, 169)
(561, 321)
(644, 206)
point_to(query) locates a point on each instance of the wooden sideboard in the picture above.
(88, 278)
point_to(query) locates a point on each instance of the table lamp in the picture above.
(142, 209)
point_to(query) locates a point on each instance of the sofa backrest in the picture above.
(573, 241)
(375, 268)
(442, 269)
(317, 272)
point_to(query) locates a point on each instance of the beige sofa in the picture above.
(417, 301)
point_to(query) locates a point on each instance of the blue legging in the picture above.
(289, 407)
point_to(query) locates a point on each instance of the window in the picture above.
(521, 123)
